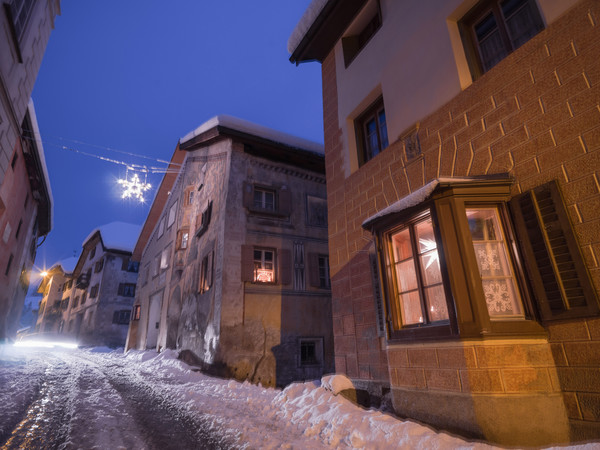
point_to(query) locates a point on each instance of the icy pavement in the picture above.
(102, 399)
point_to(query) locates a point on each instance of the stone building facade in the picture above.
(25, 196)
(236, 267)
(462, 146)
(91, 302)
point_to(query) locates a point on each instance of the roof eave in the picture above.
(327, 28)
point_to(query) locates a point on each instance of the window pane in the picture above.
(410, 305)
(372, 139)
(429, 258)
(406, 276)
(494, 264)
(491, 47)
(382, 129)
(520, 20)
(401, 245)
(437, 308)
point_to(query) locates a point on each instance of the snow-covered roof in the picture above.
(42, 159)
(253, 129)
(68, 264)
(417, 197)
(308, 18)
(117, 235)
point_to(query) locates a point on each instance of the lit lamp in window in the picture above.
(264, 276)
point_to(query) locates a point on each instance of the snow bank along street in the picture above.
(105, 399)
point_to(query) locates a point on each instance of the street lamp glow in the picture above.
(44, 274)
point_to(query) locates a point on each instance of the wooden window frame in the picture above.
(467, 309)
(317, 346)
(206, 273)
(475, 16)
(360, 126)
(203, 220)
(137, 312)
(282, 199)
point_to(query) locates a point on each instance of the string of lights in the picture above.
(134, 187)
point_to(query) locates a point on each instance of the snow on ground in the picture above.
(303, 415)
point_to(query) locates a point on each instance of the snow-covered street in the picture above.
(104, 399)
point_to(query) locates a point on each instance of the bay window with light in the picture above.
(463, 263)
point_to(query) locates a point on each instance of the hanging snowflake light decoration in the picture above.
(134, 187)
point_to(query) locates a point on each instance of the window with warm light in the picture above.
(264, 266)
(470, 261)
(414, 266)
(494, 263)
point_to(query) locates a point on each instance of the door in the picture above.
(153, 320)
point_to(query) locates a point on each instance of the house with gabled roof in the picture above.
(90, 298)
(233, 256)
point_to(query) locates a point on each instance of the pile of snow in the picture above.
(117, 235)
(67, 265)
(303, 415)
(255, 130)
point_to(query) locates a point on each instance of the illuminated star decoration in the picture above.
(428, 245)
(134, 188)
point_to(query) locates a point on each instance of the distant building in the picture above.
(462, 145)
(233, 256)
(25, 196)
(90, 298)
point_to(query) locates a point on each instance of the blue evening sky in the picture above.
(136, 75)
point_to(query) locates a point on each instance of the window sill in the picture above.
(267, 212)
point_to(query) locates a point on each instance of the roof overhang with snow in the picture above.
(35, 162)
(499, 183)
(257, 140)
(321, 26)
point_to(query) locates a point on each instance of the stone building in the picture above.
(25, 196)
(233, 256)
(90, 298)
(462, 148)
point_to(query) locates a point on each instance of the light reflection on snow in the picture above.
(45, 344)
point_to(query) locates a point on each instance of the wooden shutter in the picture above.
(557, 271)
(247, 263)
(285, 266)
(248, 195)
(313, 270)
(284, 206)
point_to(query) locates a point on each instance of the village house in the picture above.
(25, 195)
(233, 256)
(462, 148)
(89, 299)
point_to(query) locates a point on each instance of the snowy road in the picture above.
(81, 400)
(143, 400)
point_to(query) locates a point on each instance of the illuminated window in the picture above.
(137, 310)
(264, 266)
(414, 267)
(495, 266)
(206, 273)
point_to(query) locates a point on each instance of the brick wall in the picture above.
(576, 350)
(536, 115)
